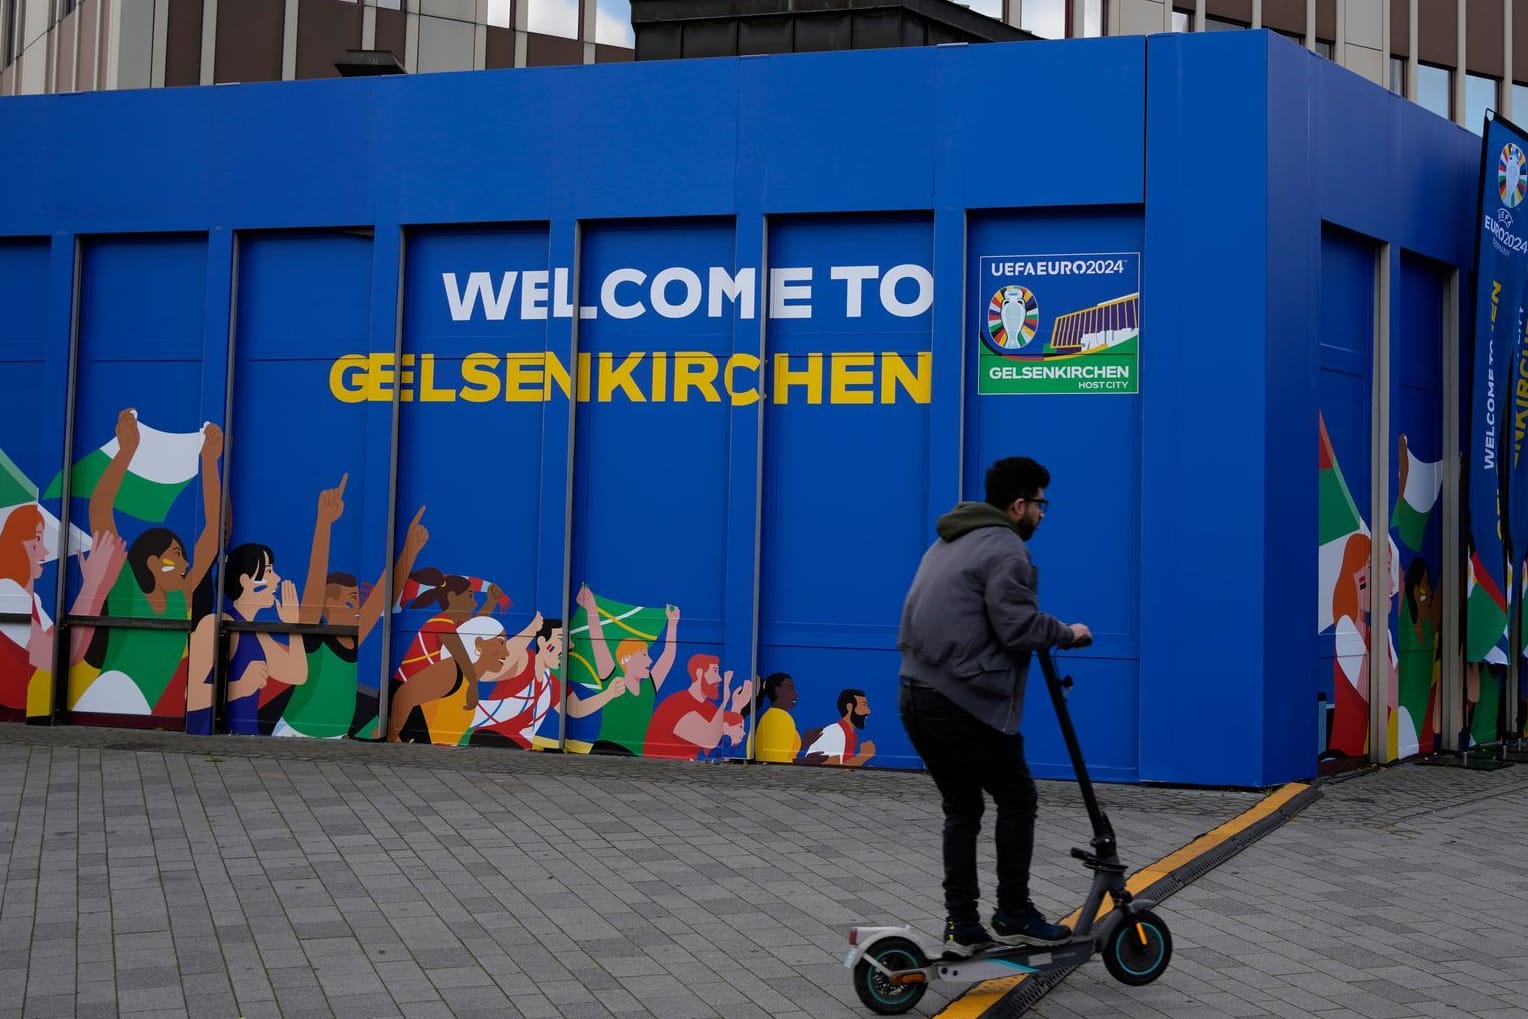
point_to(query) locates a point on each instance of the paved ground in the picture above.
(1402, 892)
(150, 873)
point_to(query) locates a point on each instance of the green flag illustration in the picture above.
(619, 622)
(163, 466)
(1415, 506)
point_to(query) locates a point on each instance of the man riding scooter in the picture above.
(969, 625)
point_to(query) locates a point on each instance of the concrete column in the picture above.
(161, 42)
(289, 41)
(1505, 103)
(209, 40)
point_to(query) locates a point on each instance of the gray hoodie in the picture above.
(972, 618)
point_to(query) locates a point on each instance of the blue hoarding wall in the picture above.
(632, 446)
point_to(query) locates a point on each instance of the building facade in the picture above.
(87, 45)
(1452, 57)
(1457, 58)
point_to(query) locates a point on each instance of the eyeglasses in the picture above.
(1044, 504)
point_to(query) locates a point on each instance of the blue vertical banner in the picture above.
(1501, 267)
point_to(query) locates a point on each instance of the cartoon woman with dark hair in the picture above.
(454, 602)
(250, 583)
(144, 671)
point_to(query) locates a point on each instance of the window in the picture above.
(1092, 18)
(1480, 95)
(1324, 49)
(1180, 21)
(553, 17)
(1045, 18)
(499, 13)
(1519, 100)
(991, 8)
(1434, 85)
(612, 24)
(1398, 75)
(1220, 25)
(10, 28)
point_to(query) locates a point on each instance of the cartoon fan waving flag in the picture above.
(165, 463)
(624, 630)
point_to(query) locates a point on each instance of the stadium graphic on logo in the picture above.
(1013, 318)
(1511, 181)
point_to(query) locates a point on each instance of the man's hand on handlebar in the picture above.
(1081, 635)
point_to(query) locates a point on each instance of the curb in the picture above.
(1157, 881)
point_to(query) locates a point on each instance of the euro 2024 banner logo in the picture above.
(1082, 336)
(1511, 180)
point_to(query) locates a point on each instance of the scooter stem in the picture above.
(1103, 831)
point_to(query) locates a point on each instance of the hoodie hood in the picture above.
(972, 516)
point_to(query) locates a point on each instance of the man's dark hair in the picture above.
(846, 699)
(547, 626)
(1015, 477)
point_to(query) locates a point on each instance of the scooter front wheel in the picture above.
(1139, 949)
(879, 992)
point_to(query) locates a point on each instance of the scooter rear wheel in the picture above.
(876, 989)
(1139, 949)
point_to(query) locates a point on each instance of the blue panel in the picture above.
(23, 351)
(302, 306)
(1346, 339)
(1290, 365)
(23, 469)
(1090, 442)
(649, 520)
(140, 373)
(470, 443)
(835, 570)
(1203, 306)
(1416, 525)
(1085, 144)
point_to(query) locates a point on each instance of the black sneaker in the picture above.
(965, 939)
(1028, 928)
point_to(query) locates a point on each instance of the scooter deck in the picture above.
(1012, 960)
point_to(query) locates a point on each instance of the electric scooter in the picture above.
(893, 966)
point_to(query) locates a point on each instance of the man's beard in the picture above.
(858, 720)
(1026, 529)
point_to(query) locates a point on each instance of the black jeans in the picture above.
(966, 758)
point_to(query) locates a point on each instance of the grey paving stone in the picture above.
(565, 882)
(49, 1006)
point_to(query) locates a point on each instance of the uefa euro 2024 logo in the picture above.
(1511, 180)
(1013, 318)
